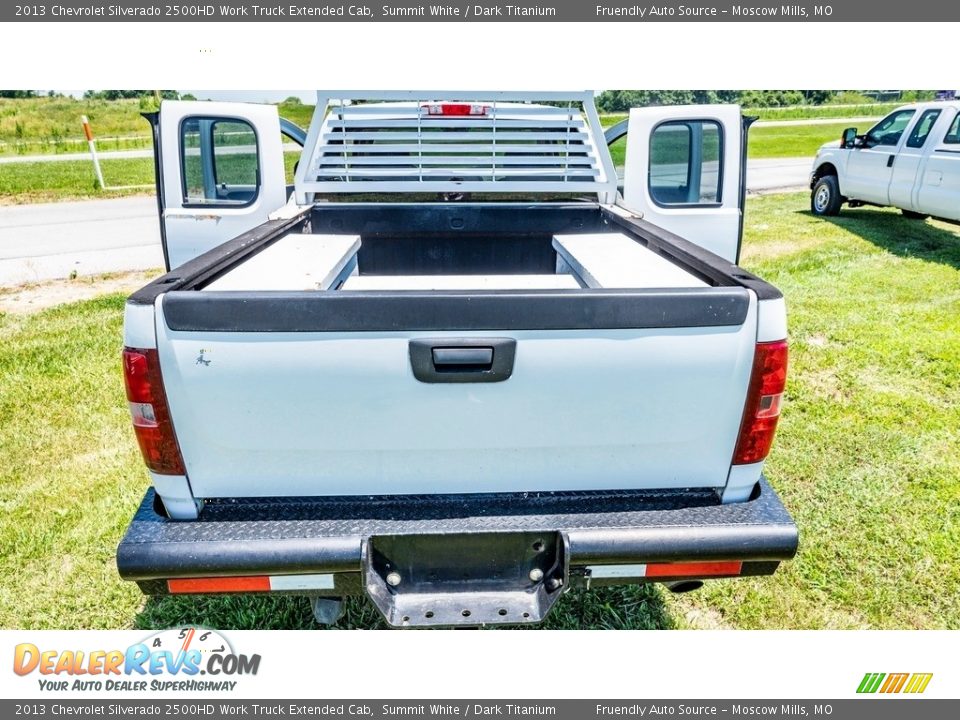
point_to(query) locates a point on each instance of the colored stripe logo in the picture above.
(912, 683)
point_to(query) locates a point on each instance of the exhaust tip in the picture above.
(684, 586)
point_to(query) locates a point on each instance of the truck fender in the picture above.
(823, 169)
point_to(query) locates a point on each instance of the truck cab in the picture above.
(909, 160)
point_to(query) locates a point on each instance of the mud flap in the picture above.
(465, 579)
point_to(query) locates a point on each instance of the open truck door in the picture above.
(220, 172)
(685, 171)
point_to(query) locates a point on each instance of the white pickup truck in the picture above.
(910, 160)
(456, 370)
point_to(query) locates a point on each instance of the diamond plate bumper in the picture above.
(291, 536)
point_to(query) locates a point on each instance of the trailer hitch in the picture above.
(465, 579)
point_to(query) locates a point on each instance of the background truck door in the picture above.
(870, 167)
(939, 185)
(220, 171)
(684, 171)
(908, 165)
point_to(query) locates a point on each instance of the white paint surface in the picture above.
(613, 260)
(321, 581)
(192, 230)
(714, 227)
(460, 282)
(341, 413)
(294, 262)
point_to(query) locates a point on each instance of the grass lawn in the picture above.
(72, 179)
(829, 110)
(794, 140)
(38, 126)
(867, 458)
(52, 125)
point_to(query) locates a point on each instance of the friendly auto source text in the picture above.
(657, 11)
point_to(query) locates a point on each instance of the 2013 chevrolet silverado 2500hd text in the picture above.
(456, 370)
(910, 160)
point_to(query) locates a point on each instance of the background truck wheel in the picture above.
(825, 199)
(911, 215)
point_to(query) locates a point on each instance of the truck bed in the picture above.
(326, 261)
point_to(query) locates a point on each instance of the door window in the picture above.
(953, 134)
(685, 163)
(918, 136)
(219, 162)
(889, 130)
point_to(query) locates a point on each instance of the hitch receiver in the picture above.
(465, 579)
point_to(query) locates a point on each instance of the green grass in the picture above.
(52, 125)
(812, 112)
(794, 140)
(37, 126)
(867, 458)
(69, 472)
(25, 182)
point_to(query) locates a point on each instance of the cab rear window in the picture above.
(953, 134)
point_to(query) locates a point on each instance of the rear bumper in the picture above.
(330, 536)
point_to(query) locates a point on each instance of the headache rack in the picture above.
(455, 142)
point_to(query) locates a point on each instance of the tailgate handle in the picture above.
(460, 360)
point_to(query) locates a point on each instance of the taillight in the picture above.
(760, 416)
(148, 409)
(455, 109)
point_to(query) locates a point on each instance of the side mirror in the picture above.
(849, 138)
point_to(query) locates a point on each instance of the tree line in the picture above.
(622, 100)
(609, 101)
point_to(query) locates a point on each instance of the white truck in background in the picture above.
(909, 160)
(456, 370)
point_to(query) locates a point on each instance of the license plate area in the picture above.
(465, 579)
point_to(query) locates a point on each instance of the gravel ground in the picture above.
(34, 297)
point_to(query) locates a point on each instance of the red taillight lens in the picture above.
(767, 381)
(455, 109)
(148, 409)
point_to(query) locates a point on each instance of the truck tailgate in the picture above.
(331, 412)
